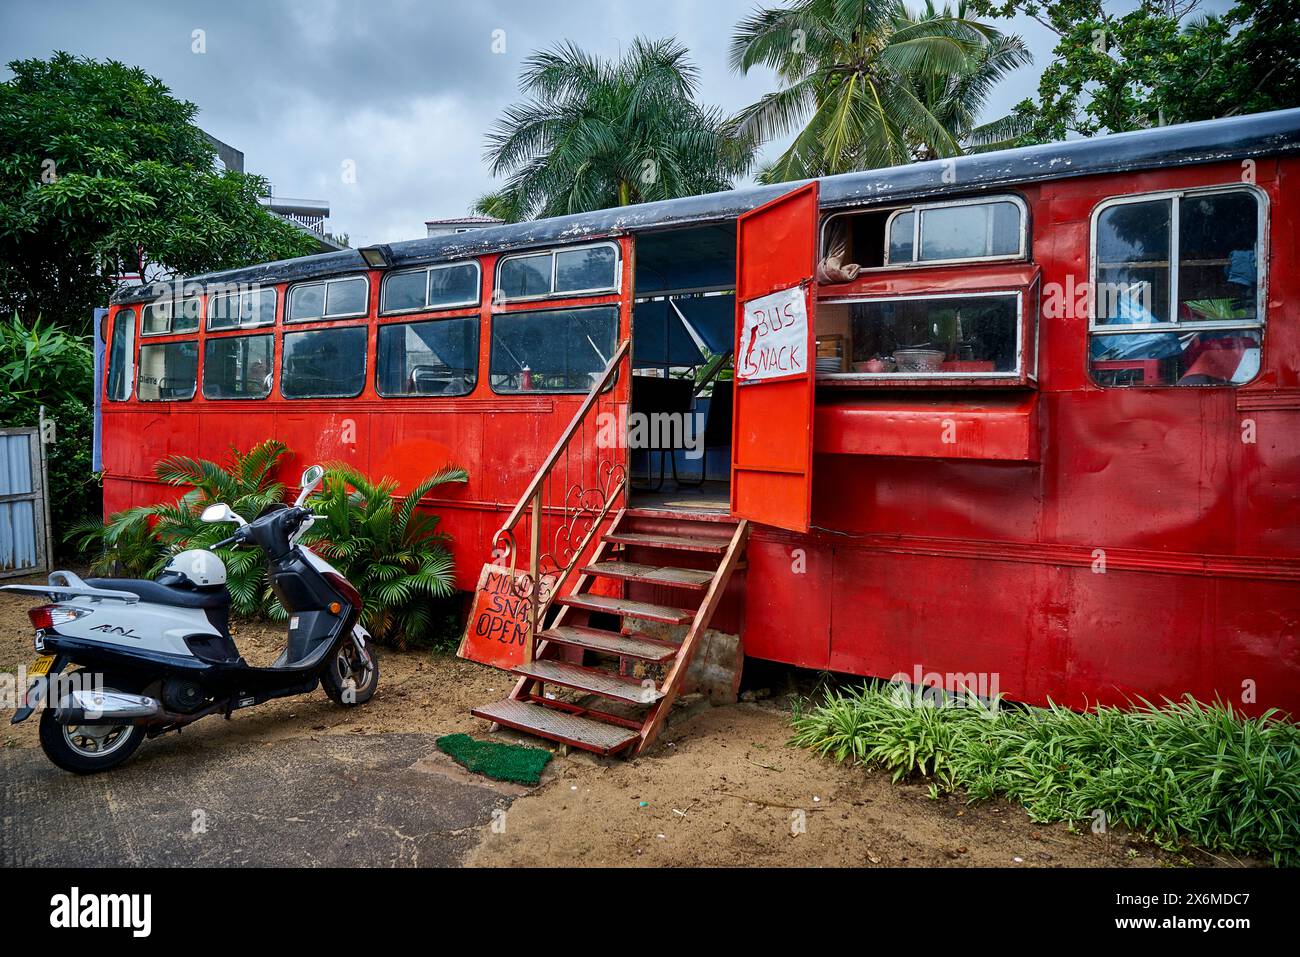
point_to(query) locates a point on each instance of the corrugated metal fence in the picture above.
(24, 511)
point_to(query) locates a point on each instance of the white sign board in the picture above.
(774, 337)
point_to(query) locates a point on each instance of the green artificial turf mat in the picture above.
(501, 762)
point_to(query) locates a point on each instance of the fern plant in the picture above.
(392, 552)
(139, 541)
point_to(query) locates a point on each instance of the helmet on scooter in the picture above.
(199, 567)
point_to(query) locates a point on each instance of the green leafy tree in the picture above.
(596, 133)
(867, 84)
(1120, 67)
(43, 365)
(102, 171)
(391, 551)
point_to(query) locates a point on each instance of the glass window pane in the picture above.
(954, 232)
(1217, 236)
(223, 311)
(238, 367)
(346, 297)
(121, 357)
(324, 363)
(1133, 267)
(257, 307)
(167, 371)
(428, 358)
(453, 285)
(526, 276)
(185, 314)
(1004, 232)
(554, 350)
(900, 238)
(578, 270)
(156, 318)
(405, 290)
(908, 337)
(307, 302)
(1228, 357)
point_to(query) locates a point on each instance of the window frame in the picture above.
(1022, 248)
(492, 344)
(139, 364)
(284, 357)
(478, 343)
(498, 297)
(239, 294)
(1020, 375)
(132, 357)
(1210, 325)
(428, 279)
(171, 317)
(325, 284)
(202, 377)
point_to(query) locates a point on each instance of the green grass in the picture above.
(1183, 772)
(501, 762)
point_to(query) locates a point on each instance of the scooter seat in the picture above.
(166, 594)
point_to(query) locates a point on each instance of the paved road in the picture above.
(379, 800)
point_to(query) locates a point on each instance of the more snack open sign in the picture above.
(774, 337)
(497, 629)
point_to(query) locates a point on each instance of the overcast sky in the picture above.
(404, 91)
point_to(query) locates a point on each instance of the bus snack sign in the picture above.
(774, 337)
(498, 625)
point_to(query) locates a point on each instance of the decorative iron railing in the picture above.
(578, 484)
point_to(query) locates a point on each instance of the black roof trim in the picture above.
(1209, 141)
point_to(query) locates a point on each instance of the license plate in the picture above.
(41, 667)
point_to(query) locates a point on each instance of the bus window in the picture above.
(552, 350)
(243, 309)
(330, 299)
(238, 367)
(121, 356)
(170, 315)
(439, 287)
(439, 357)
(1176, 295)
(167, 371)
(575, 270)
(324, 363)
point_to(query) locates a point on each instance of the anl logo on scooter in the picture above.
(116, 630)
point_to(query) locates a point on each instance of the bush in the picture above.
(1185, 771)
(392, 552)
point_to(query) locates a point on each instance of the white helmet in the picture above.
(199, 567)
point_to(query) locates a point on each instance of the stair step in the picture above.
(697, 578)
(677, 542)
(612, 643)
(626, 606)
(590, 680)
(554, 725)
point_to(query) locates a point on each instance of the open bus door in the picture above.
(772, 427)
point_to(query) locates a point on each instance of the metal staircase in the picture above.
(592, 648)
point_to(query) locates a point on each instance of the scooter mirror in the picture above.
(221, 512)
(312, 476)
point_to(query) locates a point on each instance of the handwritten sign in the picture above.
(497, 631)
(774, 337)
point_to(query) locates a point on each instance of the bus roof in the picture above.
(1208, 141)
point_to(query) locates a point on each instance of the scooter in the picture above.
(157, 655)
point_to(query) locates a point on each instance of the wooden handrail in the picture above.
(605, 378)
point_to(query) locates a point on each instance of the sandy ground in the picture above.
(722, 787)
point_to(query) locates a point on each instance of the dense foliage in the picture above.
(103, 172)
(596, 133)
(43, 365)
(871, 84)
(1127, 66)
(1182, 772)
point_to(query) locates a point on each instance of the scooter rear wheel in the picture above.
(346, 680)
(88, 749)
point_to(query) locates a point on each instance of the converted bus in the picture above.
(1031, 415)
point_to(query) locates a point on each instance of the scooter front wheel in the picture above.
(87, 748)
(347, 680)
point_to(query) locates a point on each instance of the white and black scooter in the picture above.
(164, 651)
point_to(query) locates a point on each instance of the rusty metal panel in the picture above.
(24, 544)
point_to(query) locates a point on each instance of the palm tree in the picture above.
(866, 83)
(596, 133)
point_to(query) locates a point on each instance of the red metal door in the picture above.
(771, 438)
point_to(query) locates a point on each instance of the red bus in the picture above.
(1031, 416)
